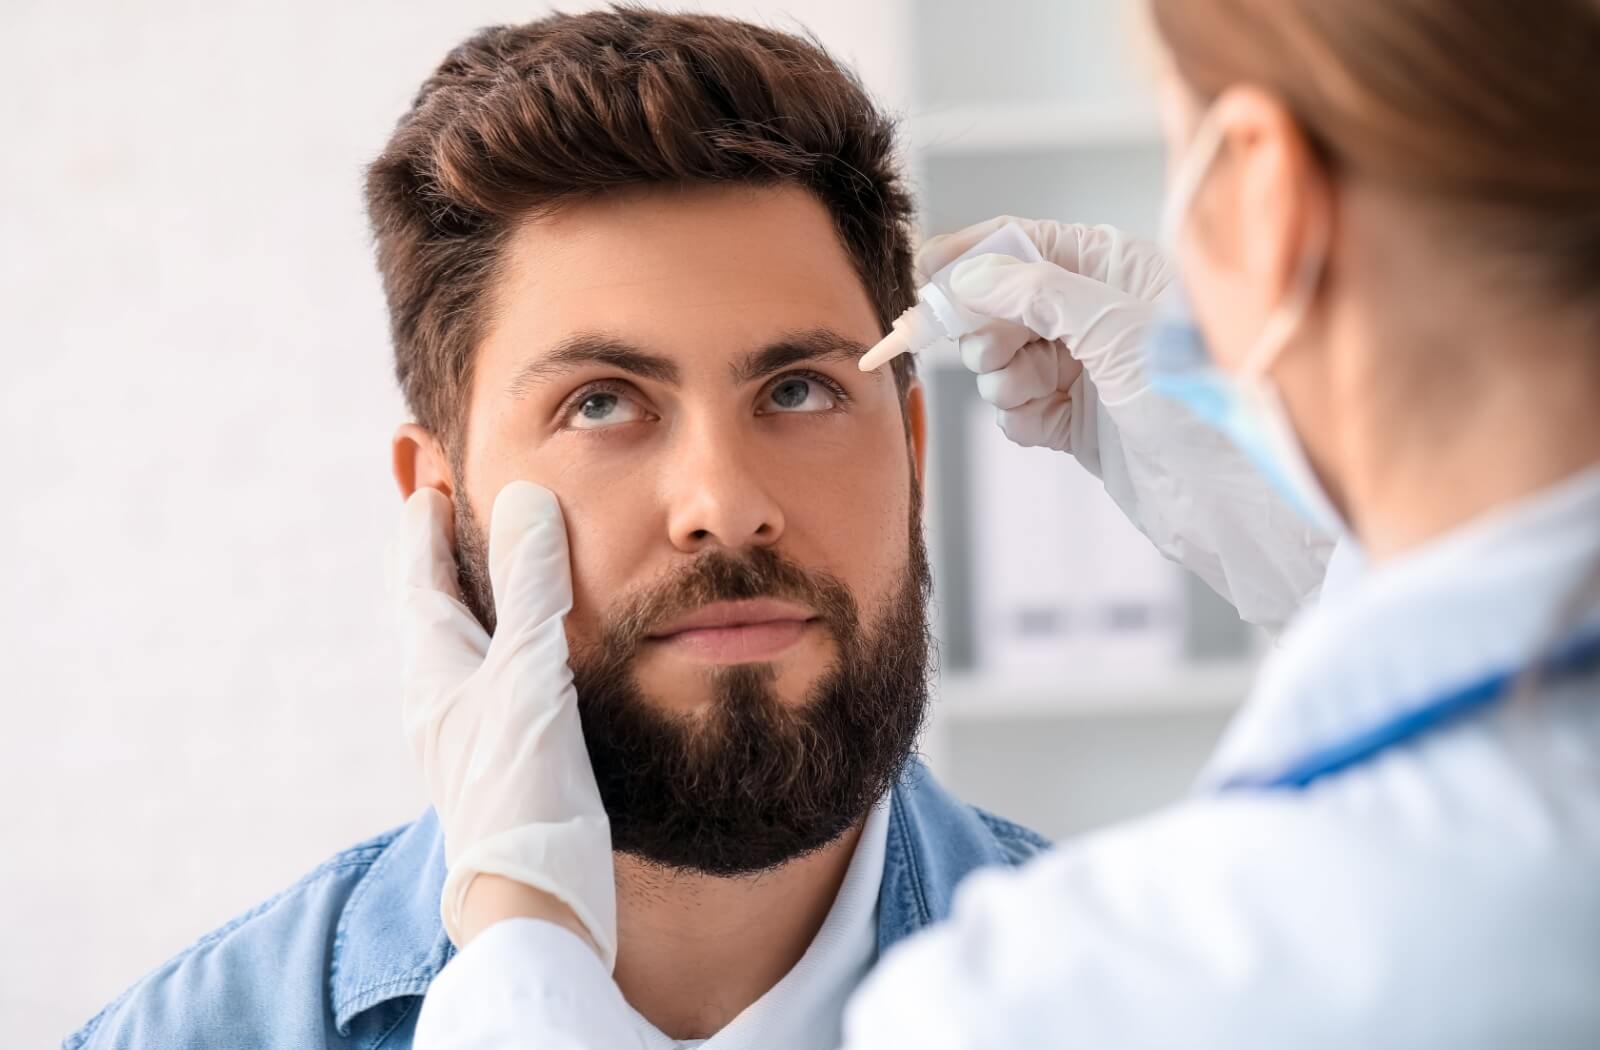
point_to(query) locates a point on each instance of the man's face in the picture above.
(678, 366)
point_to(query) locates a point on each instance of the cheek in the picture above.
(615, 530)
(608, 525)
(845, 492)
(848, 511)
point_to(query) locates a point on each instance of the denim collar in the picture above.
(935, 840)
(390, 942)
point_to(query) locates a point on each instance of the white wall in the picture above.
(195, 401)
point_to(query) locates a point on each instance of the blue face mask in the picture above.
(1244, 406)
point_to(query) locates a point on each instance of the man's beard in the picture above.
(750, 782)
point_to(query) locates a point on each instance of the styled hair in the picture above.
(519, 120)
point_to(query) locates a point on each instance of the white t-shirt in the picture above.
(803, 1011)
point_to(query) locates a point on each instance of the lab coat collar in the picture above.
(1477, 601)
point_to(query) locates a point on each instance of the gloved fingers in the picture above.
(529, 568)
(938, 252)
(1056, 241)
(992, 346)
(421, 553)
(1044, 422)
(442, 642)
(1104, 253)
(1051, 302)
(1035, 371)
(1132, 265)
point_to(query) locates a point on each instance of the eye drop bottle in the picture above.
(936, 315)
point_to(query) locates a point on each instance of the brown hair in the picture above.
(1487, 109)
(518, 120)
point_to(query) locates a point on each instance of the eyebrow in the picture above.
(811, 344)
(588, 348)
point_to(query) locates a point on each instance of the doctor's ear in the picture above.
(419, 461)
(1268, 194)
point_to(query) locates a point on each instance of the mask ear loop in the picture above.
(1204, 145)
(1291, 313)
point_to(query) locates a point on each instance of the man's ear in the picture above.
(917, 429)
(420, 461)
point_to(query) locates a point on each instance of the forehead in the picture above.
(693, 272)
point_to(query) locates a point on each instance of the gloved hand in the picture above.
(1086, 309)
(1063, 361)
(493, 723)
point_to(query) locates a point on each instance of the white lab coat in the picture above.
(1446, 894)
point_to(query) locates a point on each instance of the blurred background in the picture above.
(199, 673)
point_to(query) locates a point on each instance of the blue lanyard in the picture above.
(1578, 658)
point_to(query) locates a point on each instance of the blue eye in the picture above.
(800, 394)
(604, 408)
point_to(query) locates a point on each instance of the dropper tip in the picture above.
(885, 350)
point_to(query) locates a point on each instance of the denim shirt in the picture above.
(342, 958)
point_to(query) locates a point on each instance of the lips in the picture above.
(736, 632)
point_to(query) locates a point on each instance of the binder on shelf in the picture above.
(1060, 579)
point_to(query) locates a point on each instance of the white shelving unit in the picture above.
(1023, 127)
(1197, 689)
(1041, 110)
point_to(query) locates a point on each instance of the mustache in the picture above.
(717, 577)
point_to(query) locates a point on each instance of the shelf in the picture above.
(1217, 688)
(1025, 127)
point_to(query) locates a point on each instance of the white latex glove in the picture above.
(1063, 363)
(1085, 309)
(493, 723)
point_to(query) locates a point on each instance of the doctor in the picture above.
(1387, 221)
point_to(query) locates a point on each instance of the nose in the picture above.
(720, 491)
